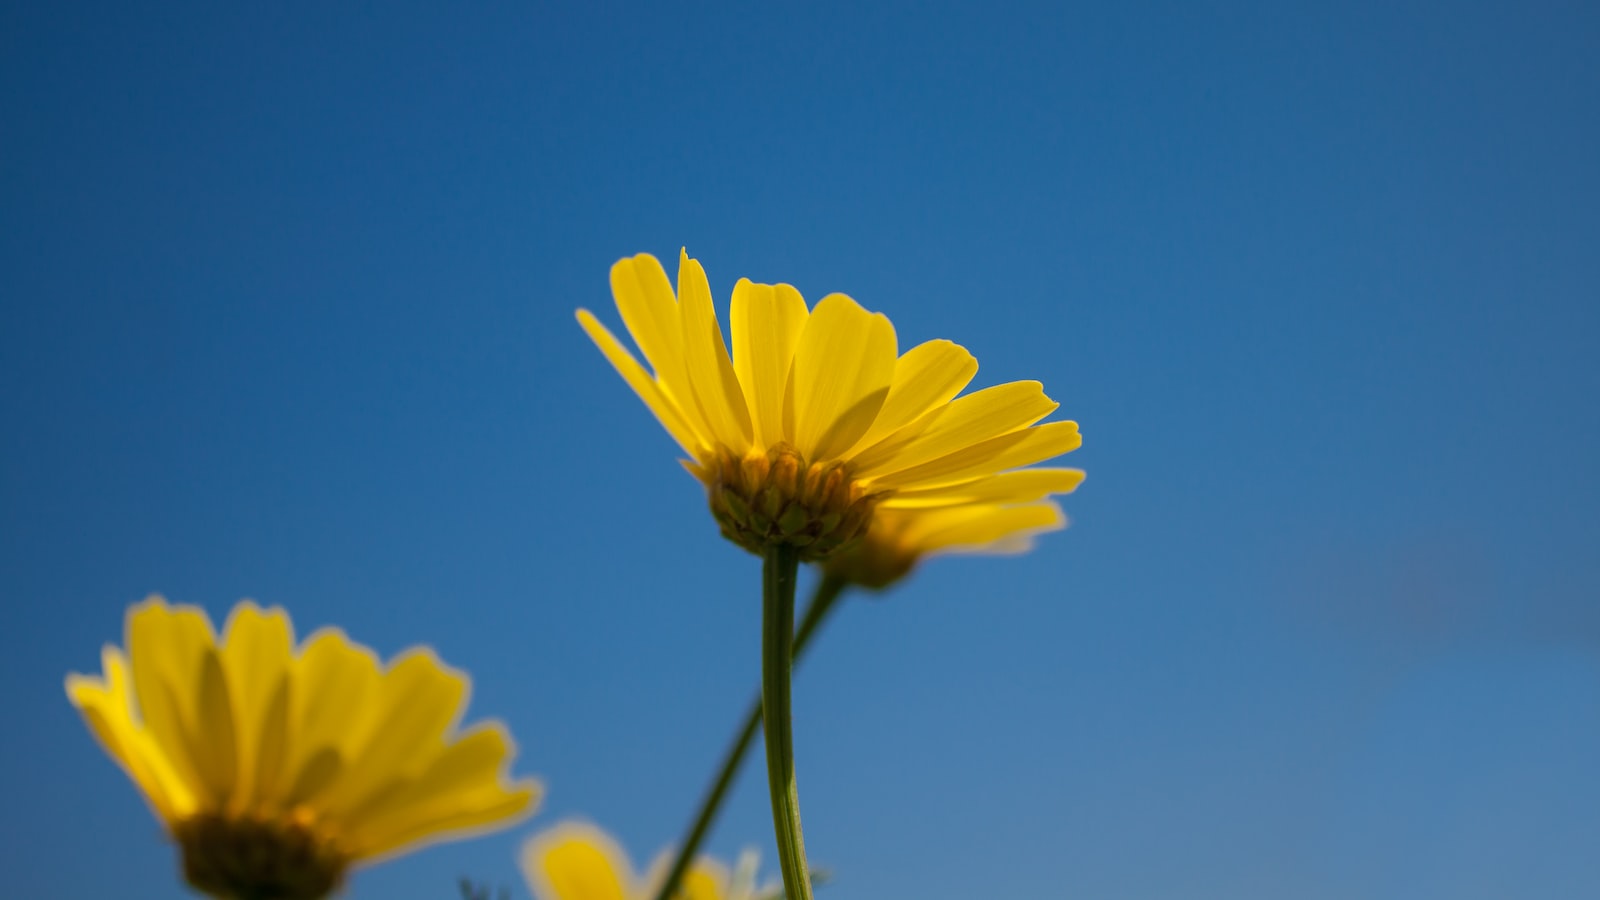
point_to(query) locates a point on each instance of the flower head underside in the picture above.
(815, 422)
(276, 768)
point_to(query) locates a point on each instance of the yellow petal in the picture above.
(165, 648)
(842, 368)
(332, 710)
(423, 698)
(475, 761)
(419, 701)
(105, 705)
(969, 420)
(999, 454)
(928, 376)
(716, 387)
(272, 766)
(655, 319)
(468, 774)
(576, 861)
(766, 321)
(215, 739)
(100, 719)
(468, 814)
(257, 648)
(1020, 486)
(981, 526)
(119, 687)
(666, 411)
(644, 298)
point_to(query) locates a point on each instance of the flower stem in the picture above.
(823, 601)
(781, 563)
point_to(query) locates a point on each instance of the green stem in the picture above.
(823, 602)
(777, 655)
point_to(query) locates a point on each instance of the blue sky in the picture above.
(288, 298)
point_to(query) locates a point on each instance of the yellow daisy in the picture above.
(578, 861)
(901, 537)
(815, 421)
(274, 768)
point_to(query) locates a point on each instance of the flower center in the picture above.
(258, 859)
(763, 501)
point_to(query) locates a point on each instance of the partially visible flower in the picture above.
(816, 422)
(275, 769)
(1002, 515)
(578, 861)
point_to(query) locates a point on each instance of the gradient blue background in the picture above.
(288, 302)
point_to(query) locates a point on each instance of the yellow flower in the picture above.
(276, 769)
(1002, 515)
(578, 861)
(815, 422)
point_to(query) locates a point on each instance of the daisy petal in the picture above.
(980, 528)
(165, 648)
(766, 322)
(256, 651)
(1020, 486)
(215, 738)
(711, 376)
(842, 370)
(999, 454)
(666, 412)
(420, 699)
(649, 310)
(472, 765)
(465, 815)
(961, 424)
(105, 707)
(928, 376)
(655, 319)
(332, 713)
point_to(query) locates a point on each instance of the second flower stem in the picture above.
(823, 601)
(780, 566)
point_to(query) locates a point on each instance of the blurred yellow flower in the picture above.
(816, 421)
(276, 769)
(578, 861)
(1003, 514)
